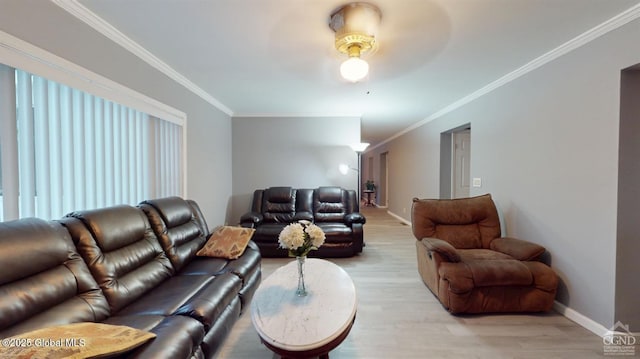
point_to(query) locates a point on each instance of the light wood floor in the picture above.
(398, 317)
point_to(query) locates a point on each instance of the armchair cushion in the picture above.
(442, 247)
(517, 248)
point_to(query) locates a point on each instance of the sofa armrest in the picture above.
(517, 248)
(251, 219)
(442, 247)
(354, 217)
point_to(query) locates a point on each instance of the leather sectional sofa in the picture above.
(334, 209)
(124, 265)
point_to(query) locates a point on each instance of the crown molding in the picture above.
(298, 115)
(615, 22)
(85, 15)
(20, 54)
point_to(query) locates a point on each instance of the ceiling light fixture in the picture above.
(355, 25)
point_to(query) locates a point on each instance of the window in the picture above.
(64, 149)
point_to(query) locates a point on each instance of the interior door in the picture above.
(461, 176)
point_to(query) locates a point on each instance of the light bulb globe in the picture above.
(354, 69)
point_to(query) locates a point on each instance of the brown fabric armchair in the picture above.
(472, 269)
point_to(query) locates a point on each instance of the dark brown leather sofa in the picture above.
(124, 265)
(334, 209)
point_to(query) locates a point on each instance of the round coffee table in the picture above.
(310, 326)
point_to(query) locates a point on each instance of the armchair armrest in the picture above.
(444, 248)
(251, 219)
(517, 248)
(354, 217)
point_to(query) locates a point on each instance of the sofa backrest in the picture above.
(44, 281)
(330, 204)
(464, 222)
(121, 250)
(304, 204)
(177, 229)
(199, 217)
(279, 204)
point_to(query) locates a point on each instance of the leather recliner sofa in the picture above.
(124, 265)
(334, 209)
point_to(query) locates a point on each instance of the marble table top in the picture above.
(294, 323)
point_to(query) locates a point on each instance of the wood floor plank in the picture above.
(398, 317)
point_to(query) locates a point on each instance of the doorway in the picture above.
(455, 162)
(384, 175)
(461, 164)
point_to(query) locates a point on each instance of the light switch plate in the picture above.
(477, 182)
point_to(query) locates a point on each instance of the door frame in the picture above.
(446, 160)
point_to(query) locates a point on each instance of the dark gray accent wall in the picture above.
(628, 235)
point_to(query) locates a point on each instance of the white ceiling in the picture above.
(276, 57)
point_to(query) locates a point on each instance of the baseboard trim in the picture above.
(582, 320)
(399, 218)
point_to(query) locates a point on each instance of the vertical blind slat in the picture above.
(67, 155)
(26, 145)
(90, 143)
(9, 202)
(108, 154)
(130, 160)
(79, 171)
(55, 148)
(99, 151)
(117, 155)
(139, 158)
(41, 135)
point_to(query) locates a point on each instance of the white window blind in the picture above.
(78, 151)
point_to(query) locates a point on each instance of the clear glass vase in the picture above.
(302, 290)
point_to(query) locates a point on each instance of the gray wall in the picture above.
(546, 148)
(45, 25)
(628, 245)
(296, 152)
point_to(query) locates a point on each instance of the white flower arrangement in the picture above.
(300, 238)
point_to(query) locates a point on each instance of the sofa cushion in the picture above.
(200, 297)
(128, 268)
(279, 204)
(268, 231)
(329, 204)
(179, 232)
(227, 242)
(77, 340)
(176, 336)
(336, 232)
(44, 281)
(198, 217)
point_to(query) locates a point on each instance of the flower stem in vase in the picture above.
(302, 290)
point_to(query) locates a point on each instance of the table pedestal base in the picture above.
(321, 352)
